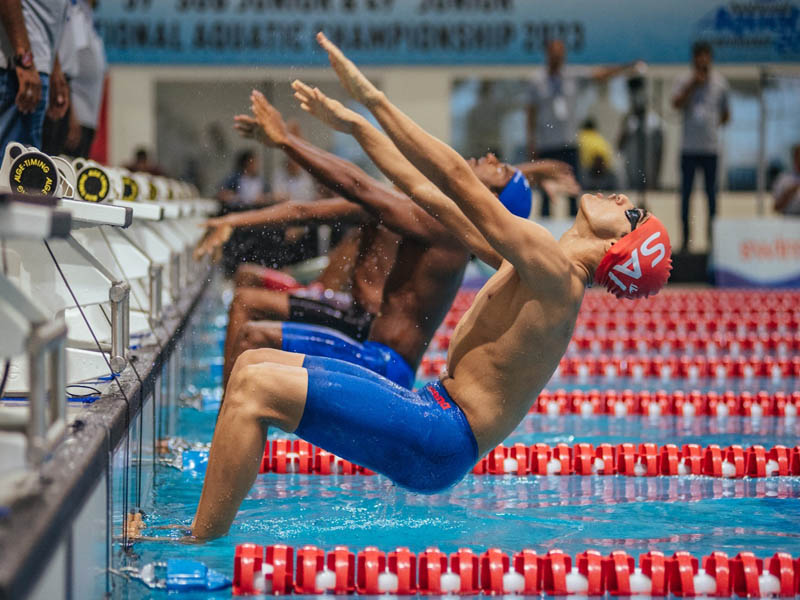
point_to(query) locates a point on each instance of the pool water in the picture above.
(571, 513)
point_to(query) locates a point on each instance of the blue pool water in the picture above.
(570, 513)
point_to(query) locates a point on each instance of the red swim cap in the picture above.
(638, 265)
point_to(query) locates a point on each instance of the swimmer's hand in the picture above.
(332, 112)
(561, 187)
(353, 80)
(218, 231)
(555, 176)
(248, 128)
(272, 130)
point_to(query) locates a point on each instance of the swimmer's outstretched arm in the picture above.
(332, 210)
(529, 247)
(393, 208)
(396, 167)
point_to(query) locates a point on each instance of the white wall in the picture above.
(423, 92)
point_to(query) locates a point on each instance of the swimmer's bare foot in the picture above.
(135, 533)
(190, 539)
(353, 80)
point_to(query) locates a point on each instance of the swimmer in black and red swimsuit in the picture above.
(428, 268)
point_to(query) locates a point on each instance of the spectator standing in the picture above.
(553, 115)
(596, 158)
(31, 31)
(702, 98)
(83, 61)
(786, 190)
(292, 182)
(244, 187)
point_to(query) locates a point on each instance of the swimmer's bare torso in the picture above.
(506, 348)
(508, 344)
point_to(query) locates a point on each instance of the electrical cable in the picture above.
(93, 391)
(141, 419)
(126, 466)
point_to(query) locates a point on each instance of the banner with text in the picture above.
(445, 32)
(757, 252)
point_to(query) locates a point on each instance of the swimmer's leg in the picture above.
(254, 335)
(260, 277)
(251, 304)
(259, 396)
(249, 275)
(301, 338)
(263, 355)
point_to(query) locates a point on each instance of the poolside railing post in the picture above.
(155, 274)
(118, 294)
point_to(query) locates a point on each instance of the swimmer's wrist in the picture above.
(358, 122)
(374, 99)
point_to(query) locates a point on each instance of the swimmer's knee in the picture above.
(242, 276)
(255, 334)
(252, 356)
(244, 395)
(266, 392)
(240, 297)
(269, 355)
(250, 274)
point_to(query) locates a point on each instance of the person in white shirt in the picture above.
(786, 190)
(702, 97)
(290, 181)
(245, 186)
(552, 119)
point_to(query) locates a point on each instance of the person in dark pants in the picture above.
(31, 80)
(553, 114)
(702, 97)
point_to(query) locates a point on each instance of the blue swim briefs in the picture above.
(316, 340)
(420, 440)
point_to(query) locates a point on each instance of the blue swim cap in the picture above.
(516, 196)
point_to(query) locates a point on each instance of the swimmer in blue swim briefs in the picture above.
(502, 353)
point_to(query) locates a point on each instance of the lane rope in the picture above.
(371, 571)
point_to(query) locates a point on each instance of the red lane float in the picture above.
(638, 366)
(715, 303)
(678, 343)
(646, 459)
(494, 573)
(672, 367)
(662, 403)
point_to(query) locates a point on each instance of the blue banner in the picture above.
(445, 32)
